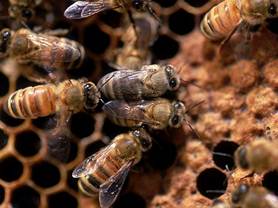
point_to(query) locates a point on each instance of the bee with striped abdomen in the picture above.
(69, 96)
(148, 82)
(253, 197)
(49, 52)
(22, 10)
(105, 172)
(258, 156)
(157, 114)
(223, 19)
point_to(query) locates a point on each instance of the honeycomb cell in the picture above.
(62, 199)
(82, 124)
(212, 183)
(2, 194)
(164, 3)
(45, 174)
(46, 123)
(177, 20)
(116, 129)
(96, 40)
(72, 182)
(27, 143)
(8, 120)
(196, 3)
(271, 73)
(165, 47)
(4, 87)
(23, 82)
(270, 181)
(111, 18)
(130, 200)
(25, 196)
(273, 25)
(223, 155)
(86, 69)
(3, 139)
(10, 169)
(93, 148)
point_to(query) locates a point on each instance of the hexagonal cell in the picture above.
(177, 20)
(23, 82)
(111, 18)
(46, 123)
(82, 124)
(25, 196)
(8, 120)
(4, 87)
(45, 174)
(95, 39)
(3, 139)
(10, 168)
(2, 194)
(164, 3)
(72, 182)
(86, 69)
(130, 200)
(212, 183)
(62, 199)
(223, 155)
(165, 47)
(196, 3)
(270, 181)
(93, 148)
(27, 143)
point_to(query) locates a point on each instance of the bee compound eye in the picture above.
(272, 9)
(175, 120)
(137, 4)
(6, 35)
(173, 83)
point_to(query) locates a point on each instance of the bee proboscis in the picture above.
(105, 172)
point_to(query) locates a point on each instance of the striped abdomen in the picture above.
(220, 21)
(90, 184)
(125, 122)
(32, 102)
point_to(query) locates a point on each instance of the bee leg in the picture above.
(57, 32)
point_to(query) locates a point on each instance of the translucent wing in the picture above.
(89, 165)
(110, 190)
(83, 9)
(128, 110)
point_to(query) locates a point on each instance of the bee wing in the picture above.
(132, 111)
(272, 200)
(110, 190)
(82, 9)
(90, 163)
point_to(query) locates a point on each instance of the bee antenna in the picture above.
(222, 154)
(192, 129)
(216, 191)
(194, 106)
(25, 25)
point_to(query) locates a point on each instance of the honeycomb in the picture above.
(238, 87)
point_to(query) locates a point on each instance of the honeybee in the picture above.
(69, 96)
(258, 156)
(157, 114)
(223, 19)
(23, 10)
(83, 9)
(253, 197)
(135, 52)
(150, 81)
(105, 172)
(49, 52)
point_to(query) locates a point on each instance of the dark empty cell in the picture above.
(270, 181)
(23, 82)
(62, 199)
(112, 130)
(165, 47)
(96, 40)
(196, 3)
(72, 182)
(167, 3)
(4, 87)
(45, 174)
(111, 18)
(211, 183)
(27, 143)
(2, 194)
(273, 25)
(8, 120)
(93, 148)
(3, 139)
(130, 200)
(46, 123)
(223, 155)
(86, 69)
(24, 197)
(73, 150)
(82, 124)
(10, 169)
(181, 22)
(162, 154)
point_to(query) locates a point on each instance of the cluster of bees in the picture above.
(134, 91)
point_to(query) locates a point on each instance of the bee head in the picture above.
(241, 157)
(239, 193)
(144, 138)
(173, 77)
(5, 36)
(139, 5)
(20, 12)
(91, 95)
(178, 114)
